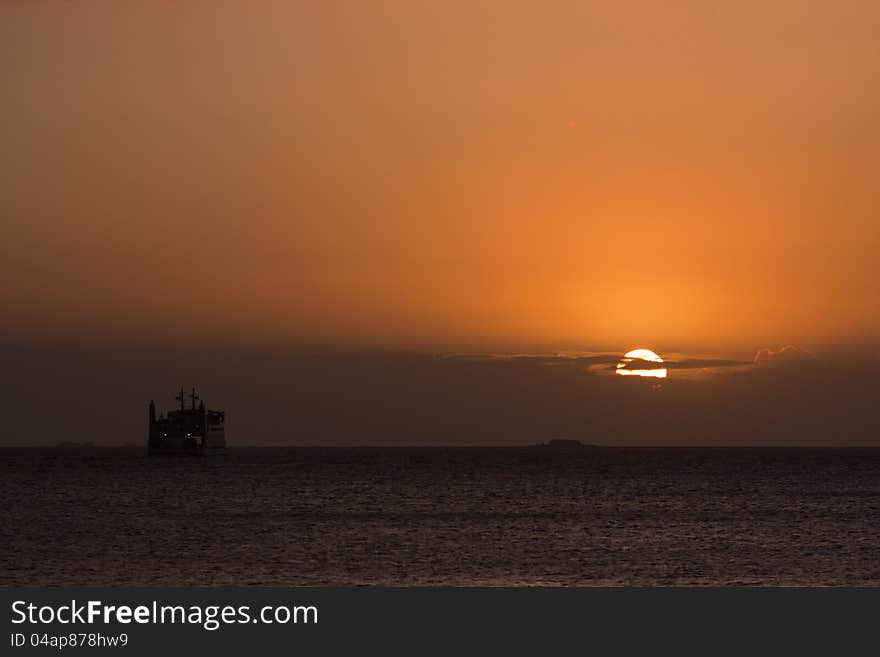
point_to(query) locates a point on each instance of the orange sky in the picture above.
(505, 176)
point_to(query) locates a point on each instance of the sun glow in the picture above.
(643, 356)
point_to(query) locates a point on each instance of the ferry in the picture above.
(192, 431)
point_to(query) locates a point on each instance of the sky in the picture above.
(442, 175)
(441, 178)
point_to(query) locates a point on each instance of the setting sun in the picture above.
(642, 356)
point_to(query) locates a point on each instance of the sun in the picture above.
(644, 356)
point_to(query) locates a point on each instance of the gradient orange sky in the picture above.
(455, 175)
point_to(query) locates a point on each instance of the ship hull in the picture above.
(212, 445)
(180, 451)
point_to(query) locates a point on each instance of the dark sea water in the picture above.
(457, 516)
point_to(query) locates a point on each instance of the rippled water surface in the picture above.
(458, 516)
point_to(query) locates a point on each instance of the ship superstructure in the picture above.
(192, 430)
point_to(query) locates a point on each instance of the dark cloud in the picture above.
(611, 360)
(641, 364)
(784, 357)
(704, 363)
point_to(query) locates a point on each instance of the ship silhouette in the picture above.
(187, 431)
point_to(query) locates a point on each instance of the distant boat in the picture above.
(563, 444)
(187, 431)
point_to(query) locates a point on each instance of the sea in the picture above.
(461, 516)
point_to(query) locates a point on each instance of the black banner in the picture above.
(410, 621)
